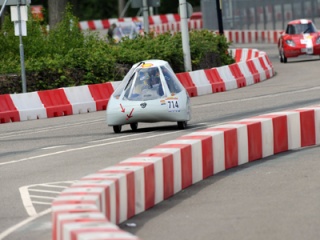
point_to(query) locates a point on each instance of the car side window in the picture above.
(171, 81)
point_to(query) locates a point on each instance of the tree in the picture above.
(56, 9)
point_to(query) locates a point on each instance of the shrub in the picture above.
(65, 56)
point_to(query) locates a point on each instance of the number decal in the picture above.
(173, 105)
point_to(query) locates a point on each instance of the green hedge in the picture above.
(65, 56)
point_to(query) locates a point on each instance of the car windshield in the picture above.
(126, 30)
(146, 85)
(124, 83)
(301, 28)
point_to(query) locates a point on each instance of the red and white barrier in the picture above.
(140, 182)
(253, 36)
(171, 23)
(106, 23)
(252, 66)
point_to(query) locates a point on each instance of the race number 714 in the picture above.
(173, 105)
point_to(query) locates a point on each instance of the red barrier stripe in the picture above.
(207, 153)
(280, 132)
(91, 25)
(105, 24)
(186, 162)
(8, 112)
(263, 65)
(308, 127)
(149, 181)
(231, 146)
(131, 199)
(254, 131)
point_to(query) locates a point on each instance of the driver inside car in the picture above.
(142, 82)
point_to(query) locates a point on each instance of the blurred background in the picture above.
(237, 14)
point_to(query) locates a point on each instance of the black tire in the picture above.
(182, 125)
(285, 60)
(117, 128)
(134, 126)
(281, 57)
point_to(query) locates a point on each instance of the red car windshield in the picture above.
(301, 28)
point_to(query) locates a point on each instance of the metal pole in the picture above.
(185, 35)
(145, 16)
(120, 7)
(3, 6)
(23, 73)
(124, 10)
(219, 11)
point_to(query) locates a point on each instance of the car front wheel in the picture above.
(134, 126)
(117, 128)
(285, 60)
(282, 57)
(182, 125)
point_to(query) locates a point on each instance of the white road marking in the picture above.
(44, 197)
(26, 197)
(258, 97)
(42, 203)
(47, 129)
(120, 137)
(24, 222)
(26, 200)
(52, 186)
(87, 147)
(45, 191)
(53, 147)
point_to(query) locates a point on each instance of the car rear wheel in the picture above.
(117, 128)
(134, 126)
(182, 125)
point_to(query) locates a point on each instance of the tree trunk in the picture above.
(56, 10)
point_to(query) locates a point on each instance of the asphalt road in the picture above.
(274, 198)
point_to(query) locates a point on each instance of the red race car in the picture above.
(301, 37)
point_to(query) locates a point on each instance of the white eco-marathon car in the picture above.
(150, 92)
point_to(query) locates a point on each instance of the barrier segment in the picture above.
(215, 80)
(29, 106)
(56, 103)
(101, 94)
(188, 84)
(162, 171)
(8, 112)
(80, 99)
